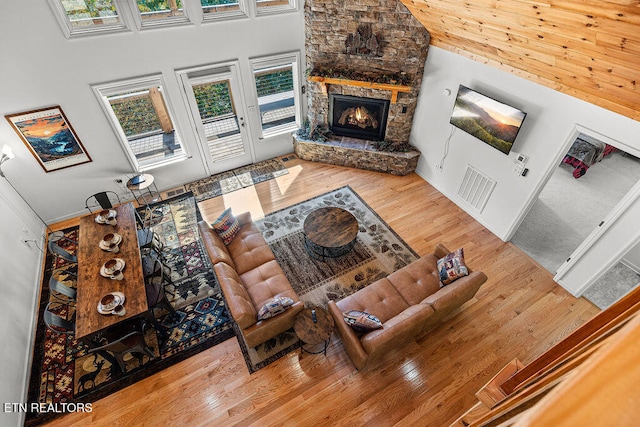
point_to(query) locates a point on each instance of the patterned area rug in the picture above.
(63, 370)
(378, 252)
(236, 179)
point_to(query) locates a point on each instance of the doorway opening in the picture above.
(573, 203)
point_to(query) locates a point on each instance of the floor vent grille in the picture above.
(175, 192)
(476, 188)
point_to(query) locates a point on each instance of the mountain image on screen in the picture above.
(489, 120)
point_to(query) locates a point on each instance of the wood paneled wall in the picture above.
(585, 48)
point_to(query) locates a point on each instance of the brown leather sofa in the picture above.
(249, 276)
(407, 302)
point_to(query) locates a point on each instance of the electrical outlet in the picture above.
(123, 191)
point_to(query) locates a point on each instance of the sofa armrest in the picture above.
(244, 218)
(263, 330)
(457, 293)
(441, 251)
(216, 249)
(348, 337)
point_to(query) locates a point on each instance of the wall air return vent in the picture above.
(475, 188)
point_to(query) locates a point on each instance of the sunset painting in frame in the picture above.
(50, 138)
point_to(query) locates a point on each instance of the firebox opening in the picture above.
(358, 117)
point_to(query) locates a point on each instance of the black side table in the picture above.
(144, 189)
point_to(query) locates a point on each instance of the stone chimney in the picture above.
(365, 40)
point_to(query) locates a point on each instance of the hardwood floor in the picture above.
(520, 312)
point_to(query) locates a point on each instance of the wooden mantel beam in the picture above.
(394, 88)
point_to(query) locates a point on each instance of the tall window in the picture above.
(276, 82)
(264, 7)
(86, 17)
(140, 115)
(223, 9)
(154, 13)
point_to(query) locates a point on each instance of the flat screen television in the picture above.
(489, 120)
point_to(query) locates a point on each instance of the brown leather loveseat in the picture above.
(407, 302)
(249, 277)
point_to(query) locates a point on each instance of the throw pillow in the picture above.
(361, 321)
(451, 267)
(226, 226)
(273, 307)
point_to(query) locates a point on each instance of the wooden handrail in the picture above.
(601, 323)
(394, 88)
(511, 396)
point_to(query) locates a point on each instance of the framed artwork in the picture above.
(50, 138)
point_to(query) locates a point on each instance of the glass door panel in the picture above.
(219, 118)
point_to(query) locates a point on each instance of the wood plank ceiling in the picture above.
(585, 48)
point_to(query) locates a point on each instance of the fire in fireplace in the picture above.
(357, 117)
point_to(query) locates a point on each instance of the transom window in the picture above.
(276, 83)
(88, 17)
(223, 9)
(80, 17)
(154, 13)
(264, 7)
(139, 113)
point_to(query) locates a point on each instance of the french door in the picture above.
(218, 115)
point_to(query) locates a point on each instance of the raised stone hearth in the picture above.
(356, 153)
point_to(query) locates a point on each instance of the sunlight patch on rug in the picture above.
(229, 181)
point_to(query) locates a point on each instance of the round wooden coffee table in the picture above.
(329, 232)
(314, 326)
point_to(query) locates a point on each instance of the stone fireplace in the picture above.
(370, 49)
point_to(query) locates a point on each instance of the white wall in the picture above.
(621, 236)
(551, 118)
(39, 67)
(18, 287)
(632, 258)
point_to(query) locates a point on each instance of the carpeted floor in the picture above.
(616, 283)
(63, 369)
(569, 209)
(378, 252)
(236, 179)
